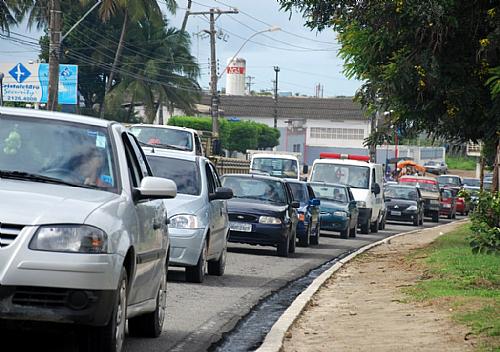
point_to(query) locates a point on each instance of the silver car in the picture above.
(83, 230)
(199, 225)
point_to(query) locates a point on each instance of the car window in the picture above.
(299, 192)
(257, 189)
(164, 137)
(401, 193)
(331, 192)
(350, 175)
(311, 192)
(210, 179)
(215, 175)
(199, 149)
(75, 153)
(185, 173)
(133, 166)
(141, 157)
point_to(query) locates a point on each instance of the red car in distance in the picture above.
(448, 203)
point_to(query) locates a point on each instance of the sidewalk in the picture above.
(362, 307)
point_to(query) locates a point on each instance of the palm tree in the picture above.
(11, 12)
(167, 75)
(132, 11)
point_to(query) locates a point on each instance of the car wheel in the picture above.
(151, 324)
(421, 218)
(450, 215)
(197, 273)
(454, 215)
(282, 249)
(217, 267)
(374, 226)
(110, 338)
(315, 239)
(416, 221)
(344, 234)
(304, 242)
(365, 227)
(435, 216)
(352, 232)
(293, 243)
(381, 224)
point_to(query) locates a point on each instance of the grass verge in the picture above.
(461, 163)
(465, 283)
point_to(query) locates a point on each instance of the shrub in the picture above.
(486, 224)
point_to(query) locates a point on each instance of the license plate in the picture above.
(240, 226)
(447, 205)
(396, 213)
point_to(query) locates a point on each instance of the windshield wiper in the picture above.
(163, 145)
(21, 175)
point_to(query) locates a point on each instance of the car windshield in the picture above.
(449, 180)
(276, 166)
(426, 185)
(401, 193)
(184, 173)
(431, 163)
(255, 188)
(164, 137)
(349, 175)
(47, 150)
(330, 192)
(472, 182)
(299, 192)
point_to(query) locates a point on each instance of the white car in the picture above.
(83, 230)
(181, 139)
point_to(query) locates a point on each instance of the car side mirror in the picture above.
(353, 204)
(314, 202)
(305, 169)
(155, 188)
(221, 193)
(376, 188)
(295, 204)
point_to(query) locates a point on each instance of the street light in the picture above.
(271, 29)
(1, 88)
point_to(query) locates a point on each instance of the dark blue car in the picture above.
(308, 226)
(338, 210)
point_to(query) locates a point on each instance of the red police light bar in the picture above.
(325, 155)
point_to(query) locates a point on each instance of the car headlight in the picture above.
(184, 221)
(340, 213)
(70, 238)
(361, 204)
(412, 208)
(269, 220)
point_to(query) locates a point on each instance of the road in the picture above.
(198, 314)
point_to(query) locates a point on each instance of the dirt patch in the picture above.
(362, 307)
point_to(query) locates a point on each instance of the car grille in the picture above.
(243, 217)
(399, 208)
(8, 233)
(40, 296)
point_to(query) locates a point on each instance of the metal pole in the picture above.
(213, 84)
(1, 88)
(54, 48)
(276, 70)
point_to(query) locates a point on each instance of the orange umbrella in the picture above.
(405, 163)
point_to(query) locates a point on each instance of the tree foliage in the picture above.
(429, 61)
(234, 135)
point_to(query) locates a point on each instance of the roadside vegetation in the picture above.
(460, 163)
(463, 282)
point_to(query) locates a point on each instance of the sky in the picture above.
(305, 57)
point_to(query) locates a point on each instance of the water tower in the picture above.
(235, 76)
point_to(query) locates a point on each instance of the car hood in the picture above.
(35, 203)
(251, 206)
(184, 204)
(333, 206)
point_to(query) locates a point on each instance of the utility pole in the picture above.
(249, 84)
(214, 14)
(276, 70)
(54, 49)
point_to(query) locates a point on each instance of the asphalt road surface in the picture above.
(198, 314)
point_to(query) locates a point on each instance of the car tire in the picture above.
(352, 232)
(196, 273)
(365, 227)
(293, 243)
(344, 234)
(151, 324)
(416, 221)
(217, 267)
(314, 240)
(450, 215)
(282, 248)
(422, 219)
(110, 338)
(435, 216)
(304, 242)
(374, 226)
(454, 215)
(381, 224)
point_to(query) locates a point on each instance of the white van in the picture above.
(278, 164)
(176, 138)
(366, 180)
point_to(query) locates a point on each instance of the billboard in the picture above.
(29, 82)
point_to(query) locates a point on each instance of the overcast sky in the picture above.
(305, 57)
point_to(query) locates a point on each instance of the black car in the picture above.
(404, 203)
(262, 212)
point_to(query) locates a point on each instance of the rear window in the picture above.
(184, 173)
(426, 185)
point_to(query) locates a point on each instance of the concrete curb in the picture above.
(274, 339)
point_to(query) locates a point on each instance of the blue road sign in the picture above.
(20, 73)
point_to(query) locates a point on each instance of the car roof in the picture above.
(167, 153)
(274, 156)
(345, 162)
(167, 127)
(56, 116)
(449, 175)
(398, 185)
(255, 176)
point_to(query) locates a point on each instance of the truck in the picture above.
(276, 163)
(366, 180)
